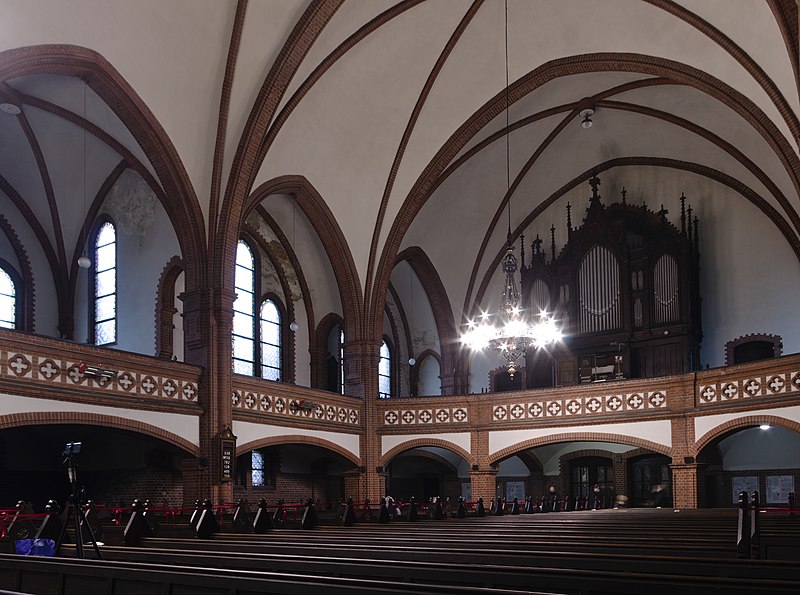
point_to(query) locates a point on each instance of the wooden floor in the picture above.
(588, 552)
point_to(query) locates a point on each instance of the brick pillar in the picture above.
(361, 380)
(620, 474)
(687, 488)
(208, 320)
(352, 485)
(484, 484)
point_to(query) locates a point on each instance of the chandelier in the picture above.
(510, 334)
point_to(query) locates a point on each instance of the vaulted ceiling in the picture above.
(395, 113)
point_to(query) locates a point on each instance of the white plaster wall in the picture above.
(45, 304)
(142, 253)
(461, 439)
(246, 431)
(422, 324)
(659, 432)
(429, 382)
(185, 426)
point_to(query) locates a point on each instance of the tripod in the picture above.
(74, 511)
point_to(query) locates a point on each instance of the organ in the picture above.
(625, 287)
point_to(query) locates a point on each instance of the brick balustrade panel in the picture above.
(36, 366)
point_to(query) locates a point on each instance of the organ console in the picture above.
(625, 287)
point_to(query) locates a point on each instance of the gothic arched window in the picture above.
(243, 337)
(271, 329)
(103, 310)
(385, 372)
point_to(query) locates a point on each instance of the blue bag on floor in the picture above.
(36, 547)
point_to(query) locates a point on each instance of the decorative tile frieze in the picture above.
(248, 400)
(40, 369)
(580, 406)
(770, 384)
(429, 416)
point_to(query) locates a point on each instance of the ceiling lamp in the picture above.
(509, 333)
(586, 116)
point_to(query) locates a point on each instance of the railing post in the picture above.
(743, 530)
(755, 527)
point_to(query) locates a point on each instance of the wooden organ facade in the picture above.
(625, 288)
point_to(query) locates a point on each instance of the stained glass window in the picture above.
(385, 372)
(8, 301)
(105, 285)
(243, 336)
(257, 468)
(270, 340)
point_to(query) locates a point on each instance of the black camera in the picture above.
(72, 449)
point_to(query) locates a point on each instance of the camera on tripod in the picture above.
(72, 449)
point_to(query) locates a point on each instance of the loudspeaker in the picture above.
(474, 467)
(378, 469)
(688, 460)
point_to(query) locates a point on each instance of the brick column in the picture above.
(620, 465)
(208, 321)
(361, 380)
(484, 484)
(687, 480)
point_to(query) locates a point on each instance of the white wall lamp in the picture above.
(586, 117)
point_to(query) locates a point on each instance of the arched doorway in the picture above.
(763, 458)
(426, 472)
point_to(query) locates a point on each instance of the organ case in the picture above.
(625, 287)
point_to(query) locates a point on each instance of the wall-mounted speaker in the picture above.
(474, 467)
(688, 460)
(379, 469)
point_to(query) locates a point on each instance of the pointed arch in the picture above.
(453, 378)
(179, 199)
(165, 306)
(330, 235)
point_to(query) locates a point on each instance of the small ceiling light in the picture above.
(10, 108)
(765, 426)
(587, 114)
(293, 326)
(412, 361)
(84, 262)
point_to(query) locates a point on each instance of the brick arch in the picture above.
(579, 437)
(330, 235)
(426, 454)
(165, 306)
(298, 439)
(562, 67)
(319, 348)
(748, 421)
(422, 442)
(38, 418)
(179, 199)
(730, 346)
(587, 452)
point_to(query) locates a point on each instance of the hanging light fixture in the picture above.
(293, 326)
(84, 261)
(509, 333)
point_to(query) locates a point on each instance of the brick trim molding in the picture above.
(36, 418)
(297, 439)
(730, 346)
(578, 437)
(422, 442)
(748, 421)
